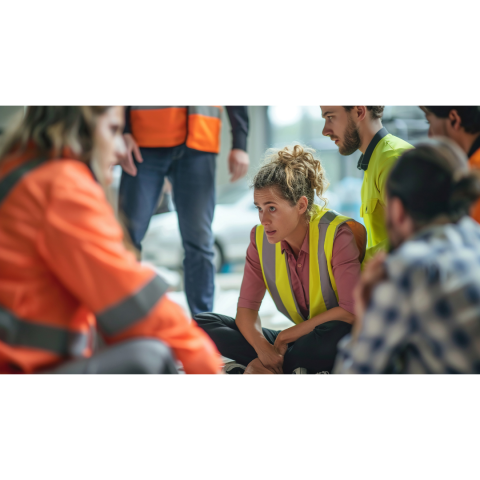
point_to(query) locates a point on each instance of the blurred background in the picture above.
(235, 215)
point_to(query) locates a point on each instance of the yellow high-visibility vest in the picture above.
(323, 288)
(381, 155)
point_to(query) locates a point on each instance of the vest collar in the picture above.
(365, 159)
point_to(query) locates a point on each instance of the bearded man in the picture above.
(360, 128)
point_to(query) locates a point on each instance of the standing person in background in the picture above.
(461, 125)
(65, 271)
(360, 128)
(418, 308)
(180, 143)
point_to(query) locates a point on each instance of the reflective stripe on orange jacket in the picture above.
(199, 127)
(474, 162)
(64, 272)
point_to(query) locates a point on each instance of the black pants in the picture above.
(315, 351)
(144, 355)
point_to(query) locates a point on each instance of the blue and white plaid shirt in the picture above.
(426, 317)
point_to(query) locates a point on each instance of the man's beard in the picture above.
(351, 141)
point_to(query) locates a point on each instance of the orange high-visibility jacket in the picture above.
(64, 273)
(474, 162)
(199, 127)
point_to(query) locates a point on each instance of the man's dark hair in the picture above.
(470, 116)
(375, 112)
(433, 179)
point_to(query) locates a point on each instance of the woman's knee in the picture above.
(204, 317)
(209, 320)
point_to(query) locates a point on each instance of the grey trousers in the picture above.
(144, 355)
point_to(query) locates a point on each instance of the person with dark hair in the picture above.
(308, 258)
(462, 125)
(66, 273)
(418, 308)
(360, 128)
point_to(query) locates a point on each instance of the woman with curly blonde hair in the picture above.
(308, 258)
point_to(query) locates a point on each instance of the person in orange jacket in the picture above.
(65, 271)
(462, 125)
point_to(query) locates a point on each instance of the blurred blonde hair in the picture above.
(54, 129)
(295, 172)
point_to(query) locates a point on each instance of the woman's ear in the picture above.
(302, 205)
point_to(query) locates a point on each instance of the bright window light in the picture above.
(282, 116)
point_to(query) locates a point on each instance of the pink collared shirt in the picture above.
(345, 266)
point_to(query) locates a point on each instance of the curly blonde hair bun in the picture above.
(294, 172)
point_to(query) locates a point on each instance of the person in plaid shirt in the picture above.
(418, 308)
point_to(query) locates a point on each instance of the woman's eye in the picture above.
(272, 209)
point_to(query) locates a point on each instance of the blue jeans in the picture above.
(192, 175)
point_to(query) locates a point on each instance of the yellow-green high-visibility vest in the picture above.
(323, 288)
(380, 157)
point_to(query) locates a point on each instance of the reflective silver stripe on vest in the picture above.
(327, 290)
(23, 333)
(129, 311)
(268, 259)
(214, 112)
(149, 107)
(12, 178)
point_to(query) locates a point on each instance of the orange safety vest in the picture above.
(474, 162)
(65, 273)
(199, 127)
